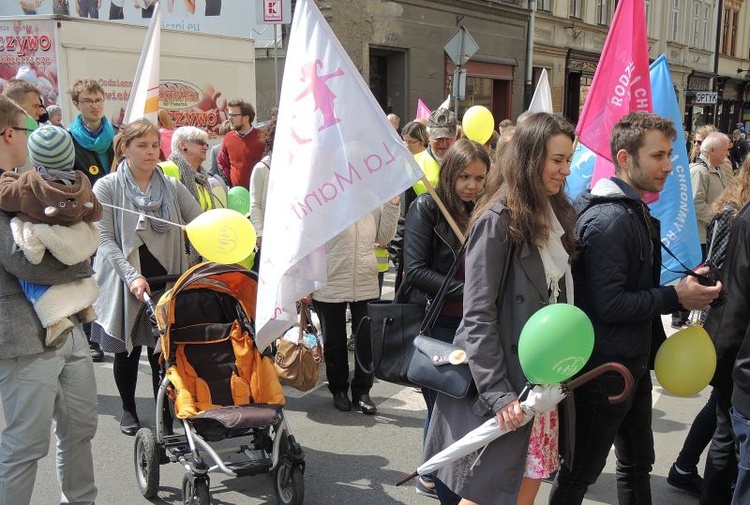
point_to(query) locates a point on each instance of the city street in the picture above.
(351, 458)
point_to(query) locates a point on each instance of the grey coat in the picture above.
(489, 333)
(117, 262)
(21, 333)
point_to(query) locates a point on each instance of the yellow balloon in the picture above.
(222, 235)
(478, 124)
(685, 362)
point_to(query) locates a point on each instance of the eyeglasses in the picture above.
(411, 142)
(18, 128)
(89, 101)
(443, 140)
(199, 142)
(698, 142)
(231, 115)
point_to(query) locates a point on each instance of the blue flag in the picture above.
(581, 170)
(674, 208)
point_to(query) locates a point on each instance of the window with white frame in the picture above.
(576, 9)
(602, 12)
(674, 21)
(696, 24)
(707, 24)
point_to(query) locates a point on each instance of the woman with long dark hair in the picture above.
(431, 246)
(527, 220)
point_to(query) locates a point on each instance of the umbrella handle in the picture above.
(606, 367)
(407, 479)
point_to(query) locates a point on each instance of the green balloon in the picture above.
(555, 343)
(238, 198)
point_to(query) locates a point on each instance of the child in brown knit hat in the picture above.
(54, 209)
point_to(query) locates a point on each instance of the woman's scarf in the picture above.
(156, 202)
(100, 145)
(190, 178)
(556, 261)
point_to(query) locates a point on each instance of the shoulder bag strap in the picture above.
(437, 303)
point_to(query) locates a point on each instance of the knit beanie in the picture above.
(50, 147)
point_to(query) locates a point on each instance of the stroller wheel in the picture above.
(195, 492)
(289, 484)
(146, 459)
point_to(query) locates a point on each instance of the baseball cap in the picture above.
(441, 124)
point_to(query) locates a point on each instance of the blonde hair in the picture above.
(164, 120)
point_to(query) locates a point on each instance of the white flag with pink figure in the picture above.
(335, 159)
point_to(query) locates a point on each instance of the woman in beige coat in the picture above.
(352, 274)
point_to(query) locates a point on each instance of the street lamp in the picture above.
(746, 70)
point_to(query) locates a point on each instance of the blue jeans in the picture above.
(741, 426)
(599, 424)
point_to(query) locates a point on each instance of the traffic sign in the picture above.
(274, 11)
(461, 47)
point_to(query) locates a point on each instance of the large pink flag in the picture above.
(621, 83)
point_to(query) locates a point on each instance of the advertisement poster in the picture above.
(221, 17)
(30, 43)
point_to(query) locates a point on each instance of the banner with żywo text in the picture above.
(335, 159)
(674, 208)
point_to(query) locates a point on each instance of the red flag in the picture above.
(621, 83)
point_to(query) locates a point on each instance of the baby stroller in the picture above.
(222, 388)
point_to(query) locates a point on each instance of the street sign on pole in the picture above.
(458, 90)
(461, 47)
(274, 11)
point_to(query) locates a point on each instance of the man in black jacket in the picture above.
(617, 284)
(728, 327)
(92, 135)
(737, 329)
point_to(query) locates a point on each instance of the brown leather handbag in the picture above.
(297, 364)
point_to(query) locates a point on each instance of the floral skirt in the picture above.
(543, 457)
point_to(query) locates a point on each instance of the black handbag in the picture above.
(439, 365)
(393, 326)
(386, 334)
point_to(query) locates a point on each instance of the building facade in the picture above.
(398, 48)
(733, 68)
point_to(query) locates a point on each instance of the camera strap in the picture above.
(686, 271)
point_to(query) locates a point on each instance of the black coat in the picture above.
(430, 248)
(617, 272)
(89, 162)
(728, 324)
